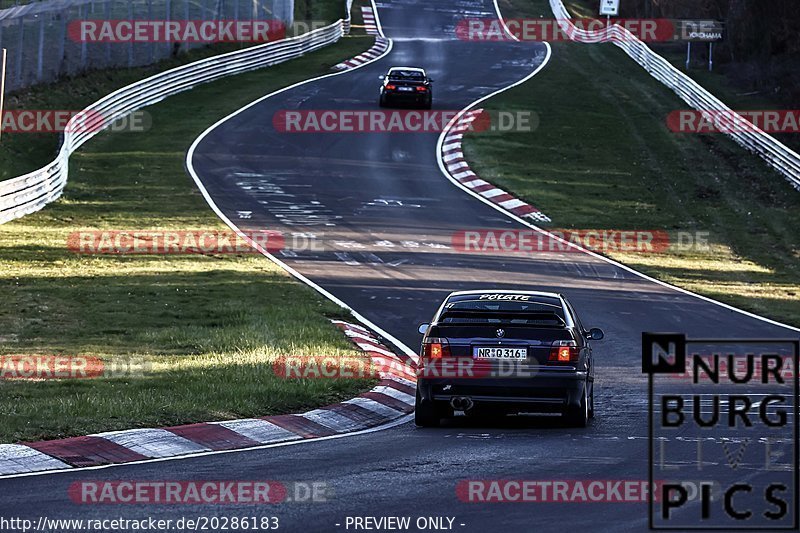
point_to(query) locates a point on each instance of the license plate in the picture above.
(405, 89)
(499, 352)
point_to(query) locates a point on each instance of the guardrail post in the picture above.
(130, 43)
(2, 86)
(40, 53)
(62, 42)
(151, 48)
(20, 48)
(107, 15)
(186, 16)
(84, 44)
(688, 54)
(168, 17)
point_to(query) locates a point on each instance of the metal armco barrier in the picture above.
(776, 154)
(31, 192)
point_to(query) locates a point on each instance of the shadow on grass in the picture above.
(210, 392)
(168, 312)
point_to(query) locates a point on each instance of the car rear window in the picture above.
(412, 75)
(535, 312)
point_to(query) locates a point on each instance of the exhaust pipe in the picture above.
(461, 403)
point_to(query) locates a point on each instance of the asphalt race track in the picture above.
(386, 215)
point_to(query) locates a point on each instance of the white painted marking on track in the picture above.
(465, 174)
(383, 410)
(18, 458)
(513, 204)
(491, 193)
(369, 348)
(153, 443)
(396, 394)
(260, 431)
(333, 420)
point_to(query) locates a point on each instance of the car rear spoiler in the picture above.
(503, 316)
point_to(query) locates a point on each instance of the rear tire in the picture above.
(382, 101)
(425, 414)
(591, 402)
(578, 417)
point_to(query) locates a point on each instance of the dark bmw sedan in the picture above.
(406, 85)
(506, 352)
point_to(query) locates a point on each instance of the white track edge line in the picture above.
(190, 167)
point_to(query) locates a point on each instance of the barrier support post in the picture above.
(710, 56)
(688, 53)
(2, 86)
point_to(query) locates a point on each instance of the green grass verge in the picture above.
(603, 158)
(209, 326)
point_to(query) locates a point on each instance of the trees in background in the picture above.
(762, 48)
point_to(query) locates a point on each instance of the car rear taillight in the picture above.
(391, 87)
(435, 348)
(564, 352)
(422, 89)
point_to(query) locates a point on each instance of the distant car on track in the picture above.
(506, 352)
(406, 85)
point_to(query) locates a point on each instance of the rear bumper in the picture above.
(543, 393)
(407, 97)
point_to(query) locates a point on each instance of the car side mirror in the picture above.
(430, 80)
(423, 328)
(595, 334)
(381, 77)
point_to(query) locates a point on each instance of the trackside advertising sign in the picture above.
(609, 7)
